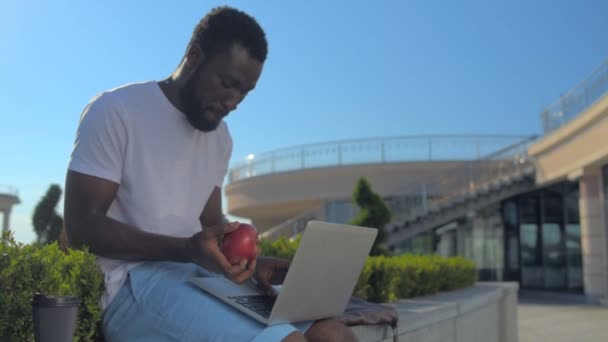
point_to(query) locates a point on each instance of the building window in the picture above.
(574, 259)
(605, 180)
(549, 239)
(511, 231)
(554, 256)
(340, 211)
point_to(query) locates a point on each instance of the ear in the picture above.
(194, 57)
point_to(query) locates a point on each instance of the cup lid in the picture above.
(40, 299)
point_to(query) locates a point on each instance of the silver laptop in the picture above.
(319, 283)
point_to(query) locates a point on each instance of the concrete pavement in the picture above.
(560, 318)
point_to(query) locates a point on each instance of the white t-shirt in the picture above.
(166, 169)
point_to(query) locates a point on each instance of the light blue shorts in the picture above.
(158, 303)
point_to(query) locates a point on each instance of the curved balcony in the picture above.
(578, 99)
(274, 186)
(371, 151)
(9, 196)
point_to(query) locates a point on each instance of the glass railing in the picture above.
(370, 151)
(575, 101)
(441, 187)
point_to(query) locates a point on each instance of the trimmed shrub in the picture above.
(27, 269)
(387, 279)
(282, 247)
(373, 212)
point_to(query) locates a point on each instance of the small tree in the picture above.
(373, 213)
(47, 223)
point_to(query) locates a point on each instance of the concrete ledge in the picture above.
(486, 312)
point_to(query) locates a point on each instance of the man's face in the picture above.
(218, 85)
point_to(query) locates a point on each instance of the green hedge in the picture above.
(27, 269)
(281, 248)
(388, 278)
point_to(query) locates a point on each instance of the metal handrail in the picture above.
(576, 100)
(447, 185)
(370, 151)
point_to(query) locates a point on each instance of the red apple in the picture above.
(240, 243)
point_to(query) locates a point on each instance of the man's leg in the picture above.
(330, 330)
(295, 337)
(158, 303)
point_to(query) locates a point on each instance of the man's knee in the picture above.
(330, 330)
(295, 336)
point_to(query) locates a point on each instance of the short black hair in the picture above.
(225, 25)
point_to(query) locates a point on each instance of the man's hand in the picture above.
(203, 248)
(270, 271)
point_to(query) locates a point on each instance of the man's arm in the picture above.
(87, 200)
(212, 212)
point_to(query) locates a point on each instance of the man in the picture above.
(143, 192)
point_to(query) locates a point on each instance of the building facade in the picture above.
(531, 210)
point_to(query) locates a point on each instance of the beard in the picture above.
(193, 108)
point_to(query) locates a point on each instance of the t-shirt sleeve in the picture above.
(100, 140)
(225, 160)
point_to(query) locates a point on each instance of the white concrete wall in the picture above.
(271, 199)
(486, 312)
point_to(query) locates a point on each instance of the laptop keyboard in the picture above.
(260, 304)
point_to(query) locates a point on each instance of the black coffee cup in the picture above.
(54, 317)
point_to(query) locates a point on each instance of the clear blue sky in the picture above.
(335, 70)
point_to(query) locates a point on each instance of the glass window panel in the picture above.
(553, 257)
(574, 257)
(572, 211)
(499, 255)
(465, 244)
(510, 214)
(552, 209)
(340, 211)
(552, 237)
(513, 250)
(529, 209)
(423, 244)
(531, 268)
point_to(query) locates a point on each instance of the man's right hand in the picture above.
(203, 248)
